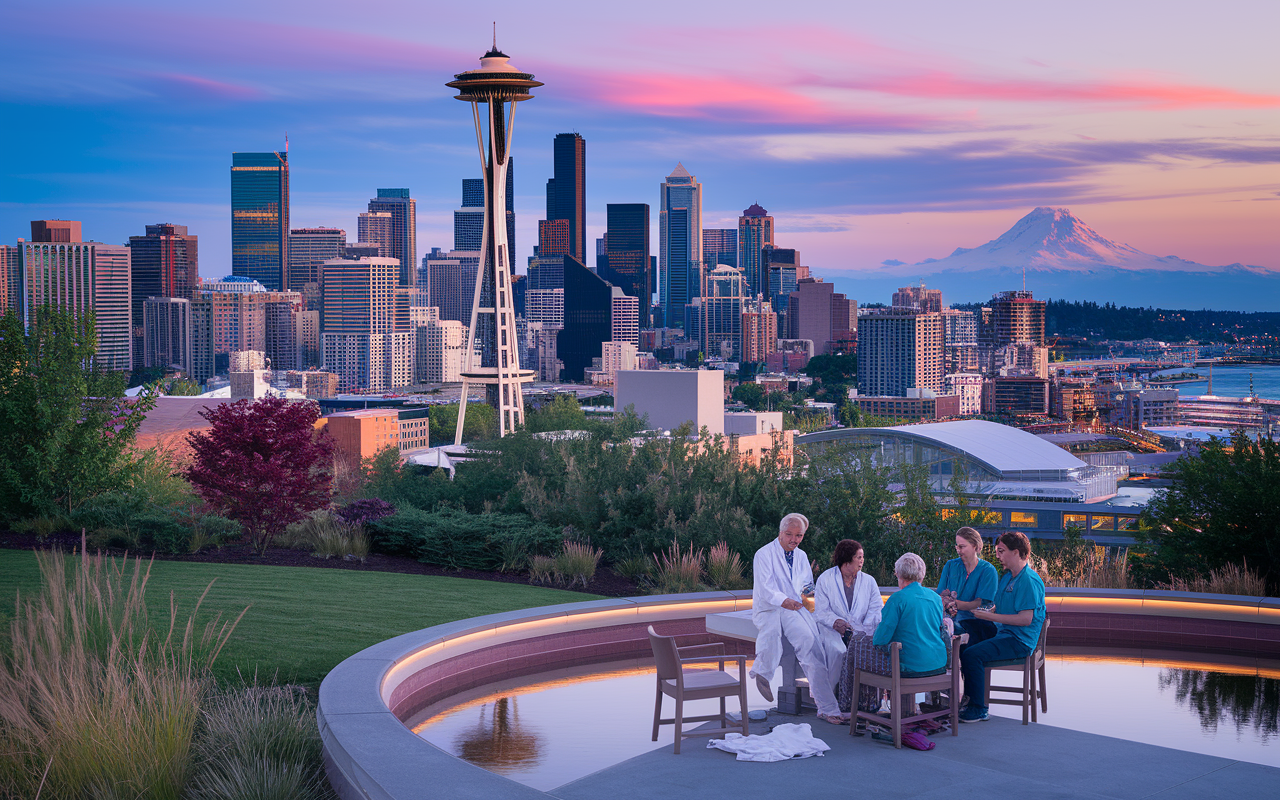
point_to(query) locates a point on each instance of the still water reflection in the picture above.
(546, 730)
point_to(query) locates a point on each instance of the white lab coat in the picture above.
(773, 582)
(863, 614)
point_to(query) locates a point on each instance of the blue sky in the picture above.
(870, 131)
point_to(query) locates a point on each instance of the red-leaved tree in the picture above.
(262, 464)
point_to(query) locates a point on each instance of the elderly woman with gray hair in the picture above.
(913, 616)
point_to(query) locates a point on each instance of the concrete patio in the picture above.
(991, 760)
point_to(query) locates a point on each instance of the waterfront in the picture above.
(1232, 381)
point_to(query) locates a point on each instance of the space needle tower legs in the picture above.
(492, 358)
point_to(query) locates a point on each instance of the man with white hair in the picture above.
(781, 574)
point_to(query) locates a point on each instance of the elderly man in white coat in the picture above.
(781, 573)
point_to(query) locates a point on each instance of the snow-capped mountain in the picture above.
(1052, 240)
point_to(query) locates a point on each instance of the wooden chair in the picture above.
(948, 682)
(1032, 688)
(702, 684)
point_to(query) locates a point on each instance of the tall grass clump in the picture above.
(542, 569)
(677, 571)
(1227, 579)
(637, 569)
(95, 701)
(576, 563)
(724, 567)
(327, 536)
(258, 743)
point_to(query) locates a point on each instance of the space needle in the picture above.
(492, 358)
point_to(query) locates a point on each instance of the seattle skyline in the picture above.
(884, 137)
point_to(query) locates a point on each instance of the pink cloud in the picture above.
(207, 87)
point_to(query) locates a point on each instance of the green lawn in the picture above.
(302, 621)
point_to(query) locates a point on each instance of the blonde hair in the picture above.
(794, 517)
(971, 536)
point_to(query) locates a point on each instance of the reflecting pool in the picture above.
(546, 730)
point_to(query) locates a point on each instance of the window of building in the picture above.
(1022, 519)
(1073, 520)
(1127, 523)
(1103, 524)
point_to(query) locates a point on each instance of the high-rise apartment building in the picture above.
(164, 263)
(10, 279)
(626, 260)
(404, 229)
(816, 311)
(960, 338)
(588, 308)
(918, 298)
(1017, 318)
(755, 230)
(899, 350)
(719, 246)
(167, 333)
(202, 343)
(468, 221)
(366, 339)
(260, 218)
(440, 348)
(281, 345)
(625, 319)
(58, 268)
(759, 330)
(723, 295)
(450, 284)
(375, 227)
(567, 191)
(679, 243)
(308, 249)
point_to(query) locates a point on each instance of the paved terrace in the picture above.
(989, 760)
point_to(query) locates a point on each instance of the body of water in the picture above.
(1232, 381)
(544, 730)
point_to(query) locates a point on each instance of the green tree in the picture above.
(847, 497)
(751, 395)
(481, 423)
(65, 425)
(562, 414)
(833, 368)
(1223, 507)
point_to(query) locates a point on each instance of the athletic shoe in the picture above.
(973, 714)
(762, 684)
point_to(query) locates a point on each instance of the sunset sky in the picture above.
(871, 131)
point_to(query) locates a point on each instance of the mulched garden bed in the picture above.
(606, 581)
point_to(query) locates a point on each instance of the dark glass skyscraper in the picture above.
(404, 224)
(164, 263)
(567, 191)
(588, 318)
(626, 261)
(260, 218)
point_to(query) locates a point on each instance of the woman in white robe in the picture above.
(846, 599)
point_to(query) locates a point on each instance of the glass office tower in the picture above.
(567, 191)
(403, 235)
(625, 262)
(680, 243)
(260, 218)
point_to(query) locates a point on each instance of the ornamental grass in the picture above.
(724, 568)
(677, 571)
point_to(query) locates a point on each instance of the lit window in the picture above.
(1073, 520)
(1022, 519)
(1104, 524)
(1127, 523)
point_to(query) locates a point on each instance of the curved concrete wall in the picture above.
(370, 754)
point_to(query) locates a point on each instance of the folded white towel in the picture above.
(784, 742)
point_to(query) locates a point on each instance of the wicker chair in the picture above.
(1032, 688)
(702, 684)
(948, 682)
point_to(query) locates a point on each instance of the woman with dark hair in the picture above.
(966, 583)
(847, 601)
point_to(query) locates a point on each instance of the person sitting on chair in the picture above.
(966, 583)
(914, 617)
(847, 600)
(781, 574)
(1018, 615)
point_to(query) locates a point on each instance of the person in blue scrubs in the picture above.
(968, 582)
(1018, 615)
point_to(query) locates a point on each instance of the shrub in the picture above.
(724, 567)
(636, 569)
(576, 563)
(1227, 579)
(364, 511)
(542, 569)
(452, 538)
(513, 555)
(677, 572)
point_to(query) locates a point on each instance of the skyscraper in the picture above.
(900, 350)
(112, 307)
(918, 298)
(164, 263)
(10, 279)
(365, 334)
(588, 323)
(1016, 318)
(377, 227)
(553, 237)
(260, 218)
(816, 311)
(719, 246)
(308, 249)
(167, 333)
(567, 191)
(625, 319)
(759, 330)
(679, 243)
(468, 221)
(755, 230)
(722, 297)
(492, 357)
(626, 262)
(404, 229)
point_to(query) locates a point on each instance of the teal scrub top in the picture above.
(977, 585)
(913, 616)
(1026, 591)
